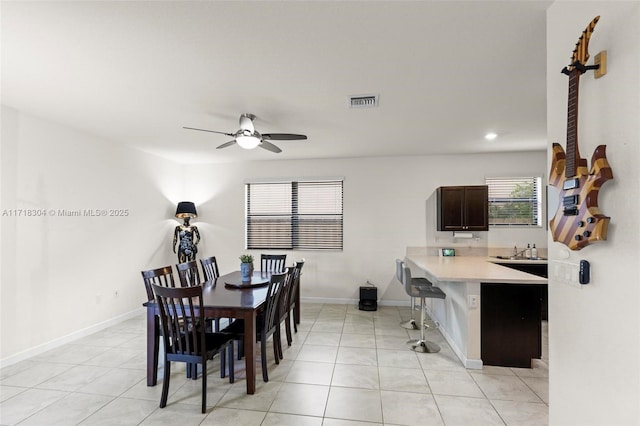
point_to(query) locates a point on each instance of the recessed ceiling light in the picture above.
(490, 136)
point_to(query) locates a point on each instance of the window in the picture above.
(515, 201)
(298, 215)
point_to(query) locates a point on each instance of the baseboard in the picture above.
(38, 350)
(336, 301)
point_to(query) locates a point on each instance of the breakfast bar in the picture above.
(508, 331)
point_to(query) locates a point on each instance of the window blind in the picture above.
(300, 215)
(514, 201)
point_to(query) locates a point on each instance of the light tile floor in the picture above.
(345, 368)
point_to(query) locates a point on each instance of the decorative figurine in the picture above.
(187, 234)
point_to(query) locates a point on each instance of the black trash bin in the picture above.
(368, 298)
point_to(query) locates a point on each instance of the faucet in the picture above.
(517, 254)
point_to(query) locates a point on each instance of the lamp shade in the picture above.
(186, 209)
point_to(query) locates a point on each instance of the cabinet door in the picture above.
(450, 208)
(510, 324)
(476, 208)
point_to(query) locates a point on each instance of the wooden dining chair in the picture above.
(267, 322)
(188, 273)
(181, 311)
(164, 278)
(283, 308)
(294, 288)
(210, 268)
(272, 262)
(211, 273)
(160, 276)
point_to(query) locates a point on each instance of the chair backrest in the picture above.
(210, 268)
(180, 313)
(295, 283)
(399, 272)
(273, 262)
(406, 278)
(161, 276)
(276, 284)
(285, 294)
(188, 273)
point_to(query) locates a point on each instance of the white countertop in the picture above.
(473, 268)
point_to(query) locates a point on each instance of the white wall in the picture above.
(384, 212)
(53, 264)
(60, 274)
(475, 170)
(594, 331)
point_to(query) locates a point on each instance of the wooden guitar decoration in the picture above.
(578, 221)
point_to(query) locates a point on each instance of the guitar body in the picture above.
(578, 221)
(588, 224)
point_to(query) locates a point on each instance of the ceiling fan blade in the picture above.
(269, 147)
(283, 136)
(210, 131)
(226, 144)
(246, 122)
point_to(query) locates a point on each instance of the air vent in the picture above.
(363, 101)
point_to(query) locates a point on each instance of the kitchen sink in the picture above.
(518, 258)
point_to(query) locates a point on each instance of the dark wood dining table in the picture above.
(222, 298)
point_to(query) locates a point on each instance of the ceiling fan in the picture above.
(248, 138)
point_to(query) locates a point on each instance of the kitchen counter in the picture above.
(462, 279)
(474, 268)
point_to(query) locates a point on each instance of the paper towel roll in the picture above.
(463, 235)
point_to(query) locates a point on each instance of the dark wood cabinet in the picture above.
(540, 270)
(463, 208)
(510, 324)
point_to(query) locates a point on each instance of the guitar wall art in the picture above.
(578, 221)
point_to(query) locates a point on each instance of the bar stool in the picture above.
(411, 324)
(423, 292)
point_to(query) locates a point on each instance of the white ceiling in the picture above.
(446, 72)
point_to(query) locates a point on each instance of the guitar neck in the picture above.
(573, 154)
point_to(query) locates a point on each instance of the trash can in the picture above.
(368, 298)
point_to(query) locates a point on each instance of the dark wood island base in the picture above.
(510, 324)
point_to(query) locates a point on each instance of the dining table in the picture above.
(228, 296)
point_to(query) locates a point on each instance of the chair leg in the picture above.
(223, 363)
(194, 371)
(232, 369)
(204, 384)
(165, 383)
(240, 349)
(287, 326)
(263, 357)
(276, 343)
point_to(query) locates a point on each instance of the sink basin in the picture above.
(518, 258)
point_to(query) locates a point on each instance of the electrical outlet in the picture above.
(472, 300)
(566, 273)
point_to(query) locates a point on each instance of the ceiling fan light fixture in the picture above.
(248, 142)
(490, 136)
